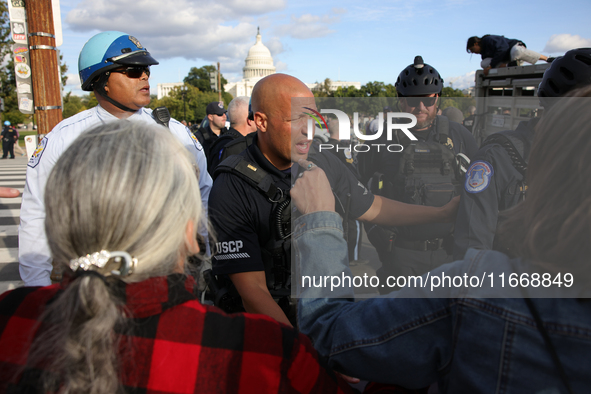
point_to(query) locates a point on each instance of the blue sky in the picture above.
(312, 40)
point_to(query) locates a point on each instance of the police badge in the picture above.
(135, 41)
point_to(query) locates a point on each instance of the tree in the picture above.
(323, 89)
(451, 92)
(72, 105)
(455, 98)
(199, 78)
(63, 70)
(195, 102)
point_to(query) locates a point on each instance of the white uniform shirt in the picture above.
(34, 255)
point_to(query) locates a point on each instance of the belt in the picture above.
(423, 246)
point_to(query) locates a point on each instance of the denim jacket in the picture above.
(466, 344)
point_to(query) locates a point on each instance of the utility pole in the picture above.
(44, 65)
(219, 84)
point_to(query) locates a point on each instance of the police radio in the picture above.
(161, 116)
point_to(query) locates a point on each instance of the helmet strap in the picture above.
(99, 87)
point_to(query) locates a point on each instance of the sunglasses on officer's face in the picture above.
(416, 101)
(134, 71)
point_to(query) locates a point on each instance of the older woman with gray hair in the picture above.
(123, 209)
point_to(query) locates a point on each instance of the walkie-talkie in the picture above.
(161, 115)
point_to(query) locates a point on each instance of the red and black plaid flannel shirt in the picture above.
(180, 345)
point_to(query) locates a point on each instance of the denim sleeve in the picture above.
(391, 340)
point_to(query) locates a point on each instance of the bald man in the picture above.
(240, 126)
(249, 198)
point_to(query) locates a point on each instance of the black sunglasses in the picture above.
(416, 101)
(134, 71)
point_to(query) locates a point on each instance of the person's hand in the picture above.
(348, 379)
(312, 192)
(486, 70)
(450, 210)
(7, 192)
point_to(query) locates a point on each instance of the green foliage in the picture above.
(382, 96)
(193, 105)
(451, 92)
(63, 70)
(90, 100)
(370, 89)
(72, 105)
(455, 98)
(199, 78)
(75, 104)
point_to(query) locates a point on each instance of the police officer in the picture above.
(247, 201)
(116, 67)
(216, 124)
(495, 180)
(426, 172)
(240, 126)
(470, 121)
(9, 136)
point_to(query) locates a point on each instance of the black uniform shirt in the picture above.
(215, 151)
(8, 135)
(459, 137)
(241, 215)
(492, 185)
(206, 138)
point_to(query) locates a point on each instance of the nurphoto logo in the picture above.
(345, 127)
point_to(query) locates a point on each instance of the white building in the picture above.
(164, 89)
(334, 85)
(258, 64)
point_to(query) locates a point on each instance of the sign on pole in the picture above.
(20, 51)
(213, 80)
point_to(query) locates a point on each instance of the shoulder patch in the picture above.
(478, 176)
(36, 157)
(348, 155)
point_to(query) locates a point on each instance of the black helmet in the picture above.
(419, 79)
(565, 73)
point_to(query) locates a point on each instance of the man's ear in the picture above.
(191, 239)
(260, 120)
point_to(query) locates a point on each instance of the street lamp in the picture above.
(184, 91)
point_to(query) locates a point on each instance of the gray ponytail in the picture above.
(122, 186)
(78, 340)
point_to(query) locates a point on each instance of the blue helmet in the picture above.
(107, 51)
(6, 123)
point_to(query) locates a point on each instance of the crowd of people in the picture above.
(140, 219)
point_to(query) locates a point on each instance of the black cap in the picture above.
(215, 108)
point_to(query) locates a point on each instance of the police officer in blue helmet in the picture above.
(116, 67)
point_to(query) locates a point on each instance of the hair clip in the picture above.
(99, 260)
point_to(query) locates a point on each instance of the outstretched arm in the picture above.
(388, 212)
